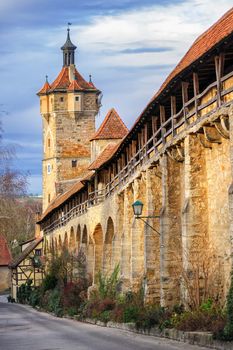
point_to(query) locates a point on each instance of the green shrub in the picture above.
(35, 297)
(200, 320)
(54, 301)
(49, 282)
(108, 286)
(131, 313)
(24, 292)
(104, 316)
(71, 311)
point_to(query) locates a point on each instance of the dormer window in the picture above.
(62, 99)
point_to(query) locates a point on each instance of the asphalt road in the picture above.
(22, 328)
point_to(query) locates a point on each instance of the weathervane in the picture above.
(68, 25)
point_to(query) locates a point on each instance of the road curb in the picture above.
(204, 339)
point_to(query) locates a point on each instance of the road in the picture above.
(23, 328)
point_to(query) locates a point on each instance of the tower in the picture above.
(68, 108)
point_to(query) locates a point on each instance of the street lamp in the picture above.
(137, 210)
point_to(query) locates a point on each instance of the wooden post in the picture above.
(145, 140)
(184, 86)
(196, 92)
(173, 113)
(219, 68)
(154, 130)
(162, 121)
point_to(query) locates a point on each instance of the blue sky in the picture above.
(129, 47)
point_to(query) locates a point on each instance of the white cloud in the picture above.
(175, 26)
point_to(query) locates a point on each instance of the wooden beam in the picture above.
(219, 69)
(196, 91)
(185, 97)
(173, 113)
(162, 121)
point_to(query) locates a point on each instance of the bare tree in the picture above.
(17, 212)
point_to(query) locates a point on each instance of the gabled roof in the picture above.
(111, 128)
(26, 252)
(5, 254)
(46, 87)
(62, 198)
(63, 82)
(206, 41)
(219, 32)
(104, 156)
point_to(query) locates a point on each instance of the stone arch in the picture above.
(108, 247)
(72, 240)
(78, 237)
(98, 250)
(65, 244)
(84, 235)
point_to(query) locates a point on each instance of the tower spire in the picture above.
(68, 49)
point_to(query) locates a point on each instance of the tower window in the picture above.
(76, 98)
(74, 163)
(49, 169)
(49, 198)
(61, 99)
(48, 142)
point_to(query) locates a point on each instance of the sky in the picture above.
(129, 47)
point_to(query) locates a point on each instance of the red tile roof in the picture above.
(88, 177)
(26, 252)
(62, 82)
(205, 42)
(62, 198)
(217, 33)
(104, 156)
(46, 87)
(111, 128)
(74, 86)
(5, 254)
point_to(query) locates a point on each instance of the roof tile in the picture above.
(111, 128)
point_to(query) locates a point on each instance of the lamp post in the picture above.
(137, 209)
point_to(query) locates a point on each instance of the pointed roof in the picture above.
(26, 252)
(63, 82)
(68, 44)
(5, 254)
(45, 88)
(112, 127)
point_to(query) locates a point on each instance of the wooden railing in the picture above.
(169, 128)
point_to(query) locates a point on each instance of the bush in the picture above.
(131, 313)
(200, 320)
(154, 315)
(49, 282)
(35, 297)
(24, 291)
(104, 316)
(74, 293)
(108, 286)
(54, 302)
